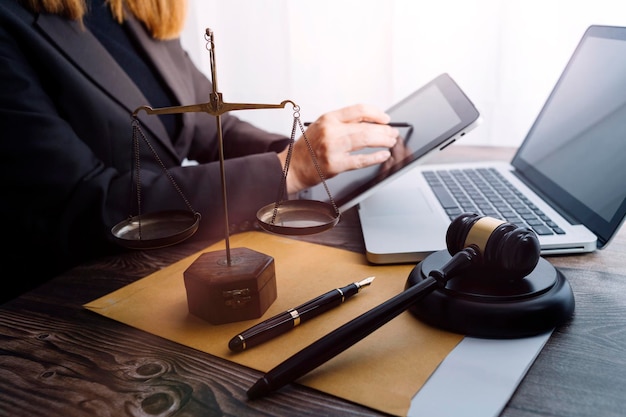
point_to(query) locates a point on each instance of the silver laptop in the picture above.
(568, 177)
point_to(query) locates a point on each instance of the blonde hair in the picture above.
(164, 19)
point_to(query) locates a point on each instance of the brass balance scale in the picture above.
(286, 217)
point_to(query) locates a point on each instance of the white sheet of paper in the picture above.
(477, 378)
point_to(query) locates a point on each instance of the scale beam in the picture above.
(215, 107)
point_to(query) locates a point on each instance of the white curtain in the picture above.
(326, 54)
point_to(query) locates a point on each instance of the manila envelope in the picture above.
(382, 371)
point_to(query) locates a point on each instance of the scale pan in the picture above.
(156, 230)
(298, 217)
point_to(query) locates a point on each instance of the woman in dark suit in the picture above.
(71, 74)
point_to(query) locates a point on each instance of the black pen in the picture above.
(289, 319)
(392, 124)
(340, 339)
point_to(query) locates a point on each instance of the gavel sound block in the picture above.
(514, 294)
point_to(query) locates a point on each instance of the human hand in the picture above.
(334, 137)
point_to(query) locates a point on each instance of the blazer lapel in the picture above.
(166, 61)
(170, 60)
(85, 52)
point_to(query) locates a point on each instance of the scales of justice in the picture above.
(226, 285)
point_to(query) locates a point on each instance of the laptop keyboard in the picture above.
(485, 191)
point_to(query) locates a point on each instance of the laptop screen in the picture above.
(431, 117)
(575, 153)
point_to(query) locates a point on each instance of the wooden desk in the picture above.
(59, 359)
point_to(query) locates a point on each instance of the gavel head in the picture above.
(503, 247)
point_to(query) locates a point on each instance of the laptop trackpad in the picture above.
(401, 224)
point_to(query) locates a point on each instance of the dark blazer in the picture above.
(66, 144)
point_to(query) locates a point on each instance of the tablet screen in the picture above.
(431, 118)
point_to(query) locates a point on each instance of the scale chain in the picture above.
(137, 131)
(317, 166)
(281, 192)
